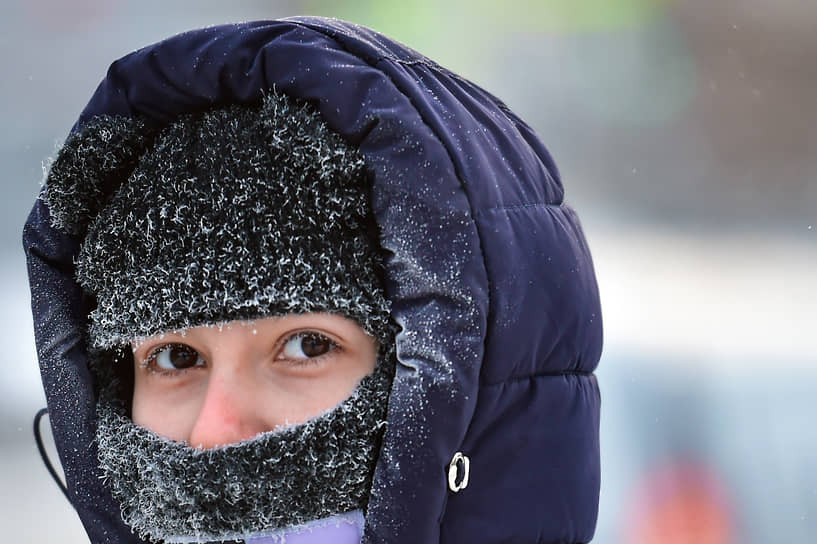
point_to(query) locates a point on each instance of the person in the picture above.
(292, 280)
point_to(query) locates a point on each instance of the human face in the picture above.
(213, 386)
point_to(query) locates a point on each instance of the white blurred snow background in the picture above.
(685, 133)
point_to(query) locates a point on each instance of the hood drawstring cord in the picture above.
(44, 454)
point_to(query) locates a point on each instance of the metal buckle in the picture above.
(453, 470)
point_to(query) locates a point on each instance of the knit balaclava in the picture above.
(236, 213)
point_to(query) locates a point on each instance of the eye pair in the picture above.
(298, 348)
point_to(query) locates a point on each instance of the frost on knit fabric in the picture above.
(171, 492)
(90, 166)
(234, 213)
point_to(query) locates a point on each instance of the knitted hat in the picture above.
(236, 213)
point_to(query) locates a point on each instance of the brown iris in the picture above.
(180, 356)
(315, 345)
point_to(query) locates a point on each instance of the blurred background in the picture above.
(686, 134)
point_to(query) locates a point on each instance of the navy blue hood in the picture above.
(488, 274)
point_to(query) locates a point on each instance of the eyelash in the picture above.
(307, 360)
(149, 362)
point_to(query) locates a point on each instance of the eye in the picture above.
(307, 345)
(174, 357)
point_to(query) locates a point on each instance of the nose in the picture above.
(228, 413)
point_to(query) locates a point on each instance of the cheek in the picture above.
(168, 413)
(303, 399)
(344, 377)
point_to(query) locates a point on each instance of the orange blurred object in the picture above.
(679, 503)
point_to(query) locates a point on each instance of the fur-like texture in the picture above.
(90, 167)
(171, 492)
(236, 213)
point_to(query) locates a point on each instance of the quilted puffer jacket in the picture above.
(493, 424)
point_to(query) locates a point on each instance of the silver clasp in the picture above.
(453, 470)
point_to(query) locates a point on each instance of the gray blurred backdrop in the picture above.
(686, 134)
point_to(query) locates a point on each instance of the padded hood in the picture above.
(487, 272)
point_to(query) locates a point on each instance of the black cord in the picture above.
(44, 454)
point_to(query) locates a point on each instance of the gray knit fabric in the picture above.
(171, 492)
(236, 213)
(90, 167)
(241, 212)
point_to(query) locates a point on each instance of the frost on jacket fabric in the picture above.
(488, 275)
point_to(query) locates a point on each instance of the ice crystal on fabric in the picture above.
(171, 492)
(234, 213)
(90, 166)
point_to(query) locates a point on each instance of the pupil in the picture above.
(181, 357)
(313, 346)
